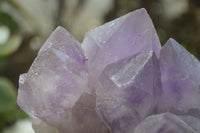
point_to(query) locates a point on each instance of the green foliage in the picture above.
(9, 112)
(15, 40)
(1, 1)
(7, 95)
(3, 63)
(10, 46)
(7, 99)
(7, 20)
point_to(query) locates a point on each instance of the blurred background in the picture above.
(26, 24)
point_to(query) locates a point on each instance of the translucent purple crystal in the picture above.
(163, 123)
(180, 77)
(120, 86)
(55, 83)
(120, 38)
(119, 80)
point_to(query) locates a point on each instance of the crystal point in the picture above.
(120, 38)
(129, 84)
(55, 80)
(119, 80)
(180, 77)
(63, 41)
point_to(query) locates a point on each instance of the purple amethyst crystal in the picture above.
(120, 38)
(120, 87)
(55, 83)
(119, 80)
(164, 123)
(180, 77)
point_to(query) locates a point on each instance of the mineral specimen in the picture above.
(133, 87)
(56, 81)
(119, 80)
(118, 39)
(180, 77)
(163, 123)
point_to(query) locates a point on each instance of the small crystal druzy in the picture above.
(119, 80)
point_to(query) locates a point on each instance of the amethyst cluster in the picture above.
(119, 80)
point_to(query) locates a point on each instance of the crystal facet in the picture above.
(119, 80)
(180, 77)
(55, 82)
(132, 86)
(163, 123)
(120, 38)
(41, 127)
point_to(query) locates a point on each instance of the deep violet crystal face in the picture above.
(119, 80)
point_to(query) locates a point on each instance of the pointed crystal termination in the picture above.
(164, 123)
(55, 81)
(128, 90)
(180, 77)
(63, 41)
(120, 38)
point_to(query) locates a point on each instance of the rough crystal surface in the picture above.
(118, 39)
(180, 77)
(131, 86)
(85, 115)
(119, 81)
(64, 42)
(163, 123)
(55, 82)
(40, 126)
(192, 121)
